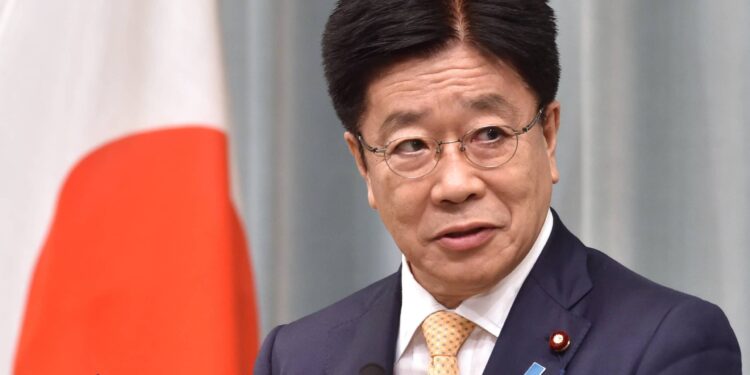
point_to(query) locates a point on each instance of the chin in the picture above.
(462, 284)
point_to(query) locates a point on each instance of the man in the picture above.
(450, 114)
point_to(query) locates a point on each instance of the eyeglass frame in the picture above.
(516, 133)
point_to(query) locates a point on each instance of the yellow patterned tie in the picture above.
(445, 332)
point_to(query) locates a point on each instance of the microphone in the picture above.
(372, 369)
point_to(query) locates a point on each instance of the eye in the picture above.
(489, 134)
(408, 147)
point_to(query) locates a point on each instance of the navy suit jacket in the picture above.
(618, 323)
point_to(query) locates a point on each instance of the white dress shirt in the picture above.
(487, 310)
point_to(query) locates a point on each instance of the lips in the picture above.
(464, 233)
(464, 238)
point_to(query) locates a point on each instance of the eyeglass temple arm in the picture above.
(368, 147)
(528, 127)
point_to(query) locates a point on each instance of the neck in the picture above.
(449, 302)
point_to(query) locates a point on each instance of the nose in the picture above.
(456, 179)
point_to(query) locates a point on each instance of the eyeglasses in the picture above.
(485, 147)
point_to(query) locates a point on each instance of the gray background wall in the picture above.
(652, 150)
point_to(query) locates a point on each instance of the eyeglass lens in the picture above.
(487, 147)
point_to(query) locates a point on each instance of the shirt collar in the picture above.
(487, 310)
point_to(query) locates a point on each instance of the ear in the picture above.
(353, 143)
(550, 127)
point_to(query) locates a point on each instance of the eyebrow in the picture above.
(401, 118)
(487, 103)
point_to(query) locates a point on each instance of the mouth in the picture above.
(465, 238)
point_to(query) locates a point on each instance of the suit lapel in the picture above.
(557, 282)
(369, 338)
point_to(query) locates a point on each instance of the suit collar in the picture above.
(562, 268)
(370, 338)
(558, 281)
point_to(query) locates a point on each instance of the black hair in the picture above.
(364, 37)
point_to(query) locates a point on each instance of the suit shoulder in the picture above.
(622, 302)
(350, 307)
(303, 337)
(623, 285)
(694, 337)
(659, 330)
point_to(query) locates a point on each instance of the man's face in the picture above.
(462, 228)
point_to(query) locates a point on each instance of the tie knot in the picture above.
(445, 332)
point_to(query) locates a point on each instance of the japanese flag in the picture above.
(120, 246)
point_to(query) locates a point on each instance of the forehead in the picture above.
(457, 79)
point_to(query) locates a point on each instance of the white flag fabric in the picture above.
(120, 247)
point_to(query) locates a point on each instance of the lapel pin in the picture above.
(535, 369)
(559, 341)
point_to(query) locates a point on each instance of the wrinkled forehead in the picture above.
(414, 89)
(454, 55)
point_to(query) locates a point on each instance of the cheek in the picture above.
(524, 180)
(400, 204)
(539, 181)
